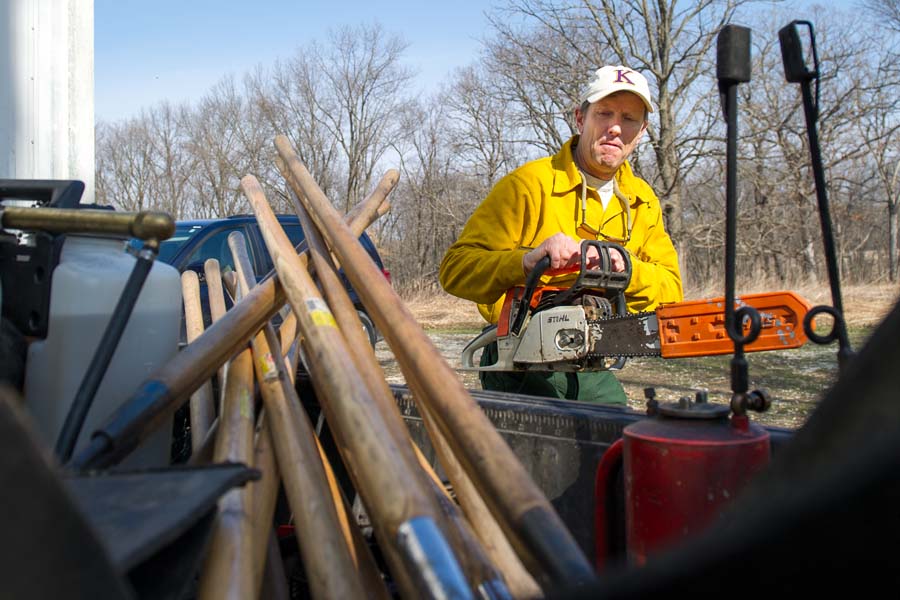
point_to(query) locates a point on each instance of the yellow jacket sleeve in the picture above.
(486, 260)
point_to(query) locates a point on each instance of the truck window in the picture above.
(169, 248)
(294, 233)
(216, 246)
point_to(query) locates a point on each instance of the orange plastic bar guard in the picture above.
(697, 327)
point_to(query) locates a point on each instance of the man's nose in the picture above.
(615, 128)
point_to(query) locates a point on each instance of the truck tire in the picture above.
(368, 326)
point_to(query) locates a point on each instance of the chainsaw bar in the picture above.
(627, 336)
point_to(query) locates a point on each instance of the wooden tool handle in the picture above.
(326, 554)
(375, 204)
(157, 398)
(228, 570)
(202, 407)
(520, 583)
(216, 295)
(383, 469)
(527, 518)
(472, 559)
(265, 496)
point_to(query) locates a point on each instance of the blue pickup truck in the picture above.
(194, 242)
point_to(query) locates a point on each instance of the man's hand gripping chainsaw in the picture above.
(586, 327)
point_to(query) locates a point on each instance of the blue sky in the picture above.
(149, 51)
(146, 51)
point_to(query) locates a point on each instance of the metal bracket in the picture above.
(26, 271)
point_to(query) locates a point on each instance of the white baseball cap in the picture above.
(611, 79)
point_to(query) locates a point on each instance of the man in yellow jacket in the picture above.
(547, 206)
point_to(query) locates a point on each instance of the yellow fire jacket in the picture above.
(540, 199)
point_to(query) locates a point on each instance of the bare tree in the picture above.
(422, 204)
(778, 226)
(885, 12)
(104, 178)
(537, 78)
(338, 103)
(166, 127)
(364, 85)
(345, 106)
(479, 128)
(215, 144)
(125, 170)
(879, 129)
(288, 99)
(253, 136)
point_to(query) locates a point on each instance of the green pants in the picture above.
(593, 386)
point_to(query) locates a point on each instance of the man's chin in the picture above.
(606, 166)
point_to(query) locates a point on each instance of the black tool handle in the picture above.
(733, 68)
(796, 71)
(733, 54)
(603, 277)
(93, 377)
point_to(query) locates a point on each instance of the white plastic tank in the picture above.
(86, 286)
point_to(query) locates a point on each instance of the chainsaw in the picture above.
(586, 327)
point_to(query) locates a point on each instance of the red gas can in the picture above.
(681, 467)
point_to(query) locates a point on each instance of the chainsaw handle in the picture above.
(603, 277)
(530, 284)
(610, 279)
(486, 337)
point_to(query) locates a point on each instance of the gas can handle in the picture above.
(611, 463)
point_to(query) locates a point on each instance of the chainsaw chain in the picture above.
(629, 316)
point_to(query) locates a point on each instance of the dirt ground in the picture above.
(796, 379)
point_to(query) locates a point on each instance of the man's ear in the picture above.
(643, 128)
(579, 119)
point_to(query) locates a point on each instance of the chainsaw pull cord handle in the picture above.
(525, 301)
(796, 71)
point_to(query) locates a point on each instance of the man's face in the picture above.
(610, 130)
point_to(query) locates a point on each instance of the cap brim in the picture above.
(600, 95)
